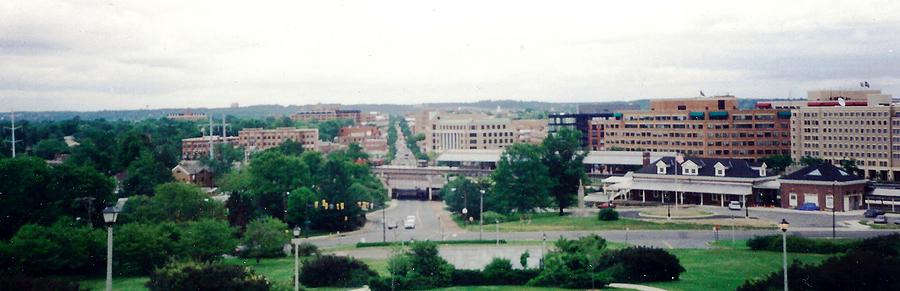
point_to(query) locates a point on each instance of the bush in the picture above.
(265, 238)
(573, 264)
(140, 248)
(22, 282)
(858, 270)
(498, 271)
(468, 278)
(491, 217)
(421, 267)
(60, 249)
(207, 239)
(608, 214)
(797, 244)
(306, 249)
(206, 276)
(335, 271)
(641, 264)
(888, 245)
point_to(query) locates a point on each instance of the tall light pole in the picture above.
(480, 216)
(296, 242)
(833, 197)
(383, 223)
(784, 227)
(543, 249)
(284, 204)
(109, 216)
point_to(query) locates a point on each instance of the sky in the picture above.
(96, 55)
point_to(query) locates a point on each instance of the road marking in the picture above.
(668, 245)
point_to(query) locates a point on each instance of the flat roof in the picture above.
(592, 158)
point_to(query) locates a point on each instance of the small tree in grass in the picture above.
(608, 214)
(265, 237)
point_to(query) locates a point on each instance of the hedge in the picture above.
(206, 276)
(335, 271)
(797, 244)
(447, 242)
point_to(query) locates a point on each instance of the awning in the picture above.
(718, 114)
(784, 114)
(624, 185)
(773, 184)
(617, 115)
(886, 192)
(709, 188)
(697, 114)
(615, 179)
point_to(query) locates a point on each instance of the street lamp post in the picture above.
(284, 206)
(497, 224)
(109, 216)
(784, 227)
(480, 216)
(543, 249)
(296, 242)
(833, 196)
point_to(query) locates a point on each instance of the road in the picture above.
(433, 223)
(403, 157)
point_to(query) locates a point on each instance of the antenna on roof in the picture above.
(13, 128)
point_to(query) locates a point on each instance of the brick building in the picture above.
(824, 185)
(358, 134)
(328, 114)
(198, 147)
(193, 172)
(710, 127)
(258, 139)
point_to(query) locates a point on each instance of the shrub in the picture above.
(421, 267)
(888, 245)
(498, 271)
(60, 249)
(523, 259)
(608, 214)
(207, 239)
(139, 248)
(573, 264)
(206, 276)
(491, 217)
(641, 264)
(849, 272)
(22, 282)
(468, 278)
(335, 271)
(265, 238)
(797, 244)
(306, 249)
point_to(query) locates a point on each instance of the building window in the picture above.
(720, 172)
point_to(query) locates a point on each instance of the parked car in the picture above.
(606, 205)
(808, 207)
(391, 224)
(897, 221)
(872, 212)
(410, 222)
(881, 219)
(734, 205)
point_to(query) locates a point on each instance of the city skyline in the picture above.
(132, 55)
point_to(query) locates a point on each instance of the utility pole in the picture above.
(212, 154)
(13, 128)
(224, 125)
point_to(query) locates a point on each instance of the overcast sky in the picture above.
(91, 55)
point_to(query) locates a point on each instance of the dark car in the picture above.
(606, 205)
(808, 207)
(872, 212)
(881, 219)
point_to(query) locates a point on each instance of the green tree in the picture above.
(422, 267)
(777, 162)
(144, 174)
(273, 175)
(355, 152)
(851, 166)
(48, 148)
(265, 237)
(207, 239)
(131, 145)
(291, 148)
(465, 195)
(139, 248)
(176, 202)
(329, 129)
(222, 164)
(808, 161)
(564, 158)
(59, 249)
(521, 181)
(206, 276)
(299, 202)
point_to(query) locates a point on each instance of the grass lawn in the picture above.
(509, 288)
(726, 269)
(554, 222)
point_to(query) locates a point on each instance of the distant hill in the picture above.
(263, 111)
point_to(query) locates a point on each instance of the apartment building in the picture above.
(470, 131)
(198, 147)
(258, 139)
(580, 122)
(358, 134)
(328, 114)
(859, 125)
(706, 127)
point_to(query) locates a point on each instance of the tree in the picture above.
(466, 195)
(291, 148)
(851, 166)
(335, 271)
(422, 267)
(355, 152)
(274, 174)
(299, 202)
(175, 202)
(521, 181)
(48, 148)
(777, 162)
(59, 249)
(265, 237)
(564, 158)
(222, 164)
(329, 129)
(144, 174)
(130, 146)
(139, 248)
(808, 161)
(207, 239)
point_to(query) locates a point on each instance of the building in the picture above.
(328, 114)
(707, 127)
(700, 181)
(532, 131)
(824, 185)
(187, 115)
(860, 126)
(580, 122)
(198, 147)
(358, 134)
(481, 133)
(258, 139)
(193, 172)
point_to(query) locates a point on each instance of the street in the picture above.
(403, 157)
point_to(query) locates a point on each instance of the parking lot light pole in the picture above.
(784, 227)
(109, 216)
(296, 258)
(480, 215)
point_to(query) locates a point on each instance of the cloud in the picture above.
(132, 54)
